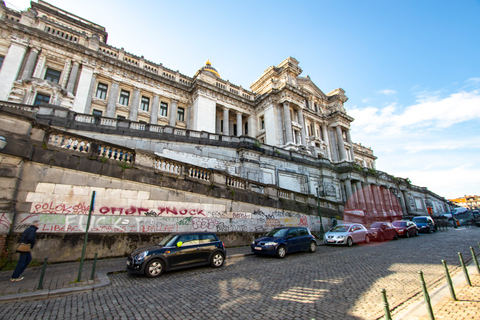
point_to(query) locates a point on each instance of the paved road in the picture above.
(333, 283)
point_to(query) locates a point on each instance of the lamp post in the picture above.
(322, 232)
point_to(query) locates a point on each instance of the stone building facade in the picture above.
(284, 132)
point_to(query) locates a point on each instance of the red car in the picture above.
(405, 228)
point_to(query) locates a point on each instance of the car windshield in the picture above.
(420, 220)
(339, 228)
(376, 225)
(399, 223)
(168, 241)
(277, 233)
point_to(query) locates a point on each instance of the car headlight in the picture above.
(142, 255)
(341, 237)
(253, 242)
(270, 243)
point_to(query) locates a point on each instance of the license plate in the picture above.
(258, 248)
(330, 240)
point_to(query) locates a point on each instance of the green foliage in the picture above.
(372, 171)
(124, 165)
(257, 144)
(407, 180)
(104, 159)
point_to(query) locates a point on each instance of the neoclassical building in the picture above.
(52, 57)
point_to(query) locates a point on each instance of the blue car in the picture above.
(281, 241)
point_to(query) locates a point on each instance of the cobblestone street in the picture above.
(333, 283)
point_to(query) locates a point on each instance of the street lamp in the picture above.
(322, 232)
(3, 142)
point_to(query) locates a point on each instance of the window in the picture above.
(262, 122)
(124, 96)
(181, 114)
(246, 128)
(45, 98)
(52, 75)
(101, 91)
(1, 61)
(97, 113)
(121, 118)
(163, 109)
(144, 104)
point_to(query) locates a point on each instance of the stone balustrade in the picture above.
(68, 142)
(168, 166)
(199, 174)
(114, 153)
(236, 183)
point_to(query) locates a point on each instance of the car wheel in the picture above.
(434, 229)
(154, 268)
(381, 237)
(349, 242)
(416, 232)
(313, 247)
(281, 252)
(395, 236)
(407, 234)
(367, 239)
(217, 260)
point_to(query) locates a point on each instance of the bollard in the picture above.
(40, 283)
(465, 271)
(474, 257)
(94, 265)
(426, 296)
(388, 316)
(449, 281)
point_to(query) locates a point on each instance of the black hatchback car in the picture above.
(281, 241)
(177, 251)
(382, 231)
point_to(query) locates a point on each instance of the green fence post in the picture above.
(94, 266)
(40, 283)
(79, 277)
(465, 271)
(426, 296)
(388, 316)
(474, 257)
(449, 281)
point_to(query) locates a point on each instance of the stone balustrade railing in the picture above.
(236, 183)
(68, 142)
(168, 166)
(114, 153)
(198, 173)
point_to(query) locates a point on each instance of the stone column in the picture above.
(288, 122)
(63, 75)
(112, 100)
(133, 116)
(154, 112)
(225, 121)
(173, 114)
(218, 124)
(348, 188)
(73, 77)
(341, 145)
(402, 203)
(84, 84)
(361, 196)
(91, 90)
(11, 67)
(352, 149)
(407, 202)
(40, 65)
(369, 201)
(30, 65)
(239, 124)
(378, 199)
(302, 123)
(325, 137)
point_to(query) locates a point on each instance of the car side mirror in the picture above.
(179, 244)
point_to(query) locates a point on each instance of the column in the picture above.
(325, 137)
(112, 100)
(341, 145)
(288, 122)
(40, 65)
(84, 84)
(173, 114)
(407, 202)
(11, 67)
(66, 68)
(30, 65)
(225, 121)
(402, 203)
(369, 202)
(252, 126)
(239, 124)
(218, 124)
(154, 112)
(73, 77)
(91, 90)
(135, 105)
(378, 199)
(361, 196)
(352, 151)
(302, 123)
(348, 187)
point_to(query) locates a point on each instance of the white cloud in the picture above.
(387, 92)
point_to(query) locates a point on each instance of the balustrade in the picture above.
(137, 126)
(236, 183)
(167, 166)
(114, 153)
(108, 122)
(284, 194)
(199, 174)
(68, 142)
(85, 118)
(154, 128)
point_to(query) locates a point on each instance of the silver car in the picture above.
(347, 234)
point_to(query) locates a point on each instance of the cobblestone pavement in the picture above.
(333, 283)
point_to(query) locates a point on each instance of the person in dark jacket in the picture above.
(28, 237)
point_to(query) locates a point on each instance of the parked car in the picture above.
(347, 234)
(382, 231)
(281, 241)
(425, 224)
(405, 228)
(177, 251)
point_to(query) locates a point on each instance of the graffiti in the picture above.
(303, 221)
(151, 214)
(118, 210)
(5, 222)
(221, 227)
(46, 207)
(241, 215)
(182, 212)
(219, 214)
(272, 223)
(204, 224)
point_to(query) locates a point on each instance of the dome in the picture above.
(208, 67)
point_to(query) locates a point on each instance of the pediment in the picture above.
(307, 84)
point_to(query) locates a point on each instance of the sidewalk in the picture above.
(59, 279)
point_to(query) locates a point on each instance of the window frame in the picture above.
(50, 75)
(163, 109)
(124, 95)
(43, 100)
(145, 101)
(181, 114)
(102, 91)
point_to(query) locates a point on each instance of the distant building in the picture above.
(469, 202)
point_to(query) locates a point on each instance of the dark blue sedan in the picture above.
(281, 241)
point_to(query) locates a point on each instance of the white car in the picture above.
(347, 234)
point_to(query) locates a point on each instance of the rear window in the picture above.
(400, 223)
(420, 220)
(277, 233)
(376, 225)
(302, 232)
(207, 238)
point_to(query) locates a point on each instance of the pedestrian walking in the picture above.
(27, 242)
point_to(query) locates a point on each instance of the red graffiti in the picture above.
(4, 221)
(80, 208)
(129, 211)
(303, 221)
(199, 223)
(182, 212)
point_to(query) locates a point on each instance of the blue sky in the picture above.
(411, 69)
